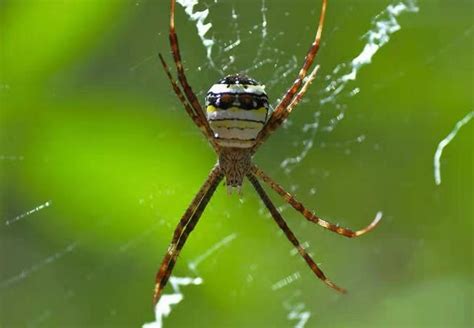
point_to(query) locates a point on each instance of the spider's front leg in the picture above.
(186, 94)
(278, 118)
(294, 94)
(201, 123)
(184, 228)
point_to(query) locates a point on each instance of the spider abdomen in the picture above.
(237, 109)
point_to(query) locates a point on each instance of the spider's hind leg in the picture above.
(310, 216)
(290, 235)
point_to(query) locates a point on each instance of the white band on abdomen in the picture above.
(237, 88)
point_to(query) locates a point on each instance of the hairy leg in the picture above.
(180, 69)
(184, 228)
(310, 216)
(292, 91)
(186, 105)
(280, 117)
(289, 234)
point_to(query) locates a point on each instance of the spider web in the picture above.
(341, 83)
(326, 106)
(222, 57)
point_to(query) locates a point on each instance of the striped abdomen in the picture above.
(237, 109)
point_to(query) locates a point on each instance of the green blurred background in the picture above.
(90, 124)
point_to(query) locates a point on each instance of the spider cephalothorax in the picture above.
(236, 121)
(235, 163)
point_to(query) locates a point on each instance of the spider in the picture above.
(236, 121)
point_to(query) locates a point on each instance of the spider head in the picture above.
(237, 109)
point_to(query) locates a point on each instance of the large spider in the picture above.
(237, 120)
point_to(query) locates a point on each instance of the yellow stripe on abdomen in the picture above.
(236, 127)
(235, 113)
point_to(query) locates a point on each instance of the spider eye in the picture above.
(226, 100)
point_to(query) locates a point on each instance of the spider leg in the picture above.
(291, 92)
(277, 119)
(290, 199)
(173, 37)
(185, 103)
(184, 228)
(289, 234)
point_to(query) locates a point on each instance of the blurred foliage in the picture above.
(89, 122)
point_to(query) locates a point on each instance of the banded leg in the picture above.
(184, 228)
(173, 37)
(291, 92)
(186, 105)
(277, 119)
(289, 234)
(308, 214)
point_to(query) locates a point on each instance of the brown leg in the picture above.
(289, 234)
(312, 52)
(184, 228)
(296, 100)
(180, 69)
(277, 119)
(309, 215)
(188, 108)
